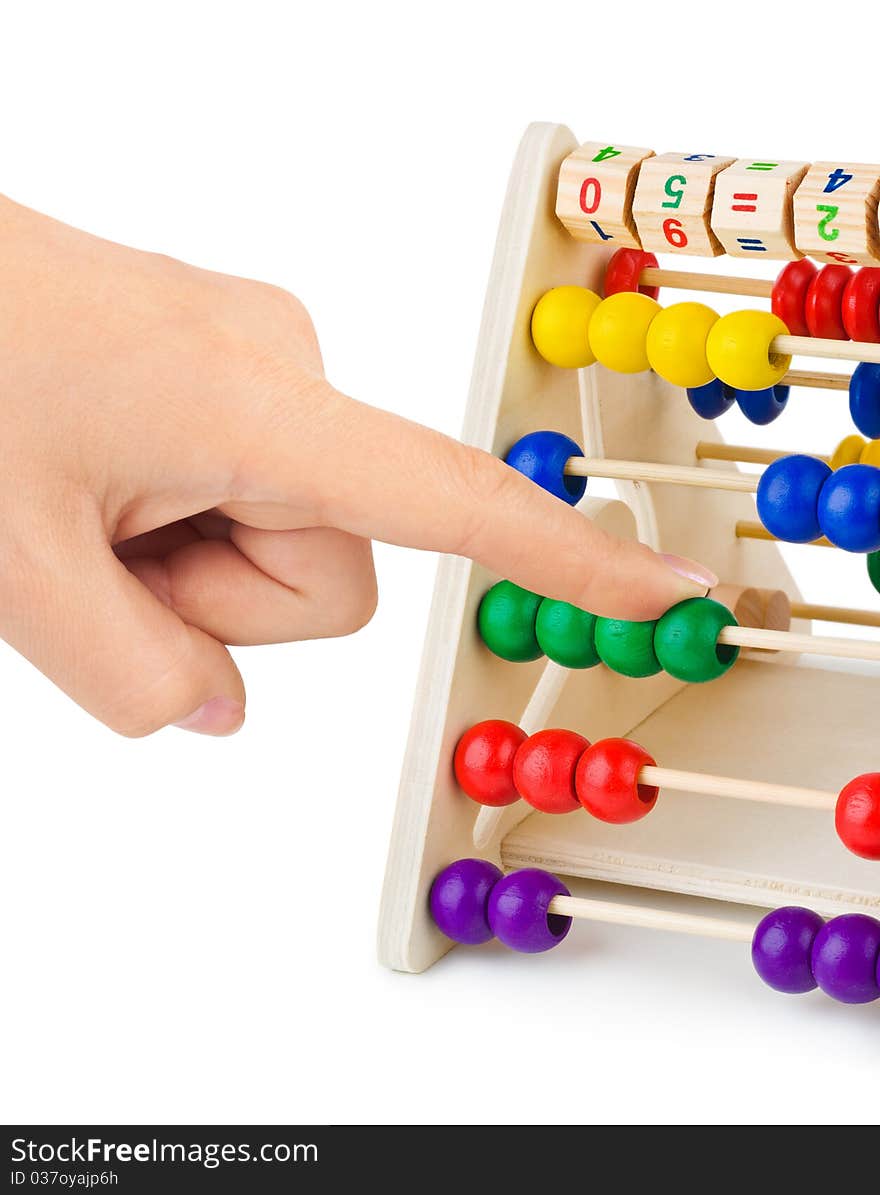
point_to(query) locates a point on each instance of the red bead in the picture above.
(623, 271)
(823, 309)
(857, 816)
(607, 784)
(861, 306)
(543, 770)
(790, 295)
(483, 761)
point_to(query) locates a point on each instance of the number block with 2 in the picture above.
(594, 199)
(673, 203)
(835, 213)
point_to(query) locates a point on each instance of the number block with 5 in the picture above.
(835, 213)
(673, 203)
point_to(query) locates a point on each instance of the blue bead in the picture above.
(849, 508)
(541, 457)
(711, 400)
(762, 406)
(864, 399)
(788, 497)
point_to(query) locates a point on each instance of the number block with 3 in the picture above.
(595, 195)
(835, 213)
(752, 213)
(673, 203)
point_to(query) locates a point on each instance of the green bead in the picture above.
(567, 634)
(627, 647)
(686, 640)
(507, 622)
(873, 559)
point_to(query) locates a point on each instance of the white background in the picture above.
(188, 925)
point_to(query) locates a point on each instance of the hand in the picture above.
(179, 475)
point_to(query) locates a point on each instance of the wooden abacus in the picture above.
(753, 761)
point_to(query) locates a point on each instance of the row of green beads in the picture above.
(519, 625)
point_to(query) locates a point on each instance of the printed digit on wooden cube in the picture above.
(595, 193)
(673, 203)
(835, 213)
(752, 211)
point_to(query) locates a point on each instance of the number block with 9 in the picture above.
(835, 213)
(594, 197)
(673, 203)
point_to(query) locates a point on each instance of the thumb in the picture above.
(383, 477)
(115, 648)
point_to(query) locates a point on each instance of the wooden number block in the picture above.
(835, 213)
(673, 203)
(595, 193)
(752, 209)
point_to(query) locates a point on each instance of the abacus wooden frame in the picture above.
(765, 855)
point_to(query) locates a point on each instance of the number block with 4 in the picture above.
(752, 212)
(835, 213)
(594, 198)
(673, 203)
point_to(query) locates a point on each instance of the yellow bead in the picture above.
(619, 330)
(848, 452)
(738, 349)
(676, 344)
(870, 454)
(560, 324)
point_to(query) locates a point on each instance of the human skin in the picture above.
(179, 475)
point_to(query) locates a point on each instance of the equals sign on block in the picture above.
(748, 201)
(752, 243)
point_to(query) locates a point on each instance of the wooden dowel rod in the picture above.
(747, 530)
(833, 350)
(816, 380)
(707, 479)
(647, 918)
(707, 450)
(859, 618)
(740, 790)
(815, 645)
(718, 284)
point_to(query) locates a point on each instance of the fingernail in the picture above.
(691, 571)
(219, 716)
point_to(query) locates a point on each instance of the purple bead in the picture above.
(782, 947)
(846, 958)
(518, 911)
(459, 899)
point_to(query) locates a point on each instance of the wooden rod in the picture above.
(747, 530)
(707, 785)
(859, 618)
(707, 479)
(815, 645)
(707, 450)
(833, 350)
(647, 918)
(718, 284)
(816, 380)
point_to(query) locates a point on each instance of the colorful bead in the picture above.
(686, 640)
(788, 497)
(560, 326)
(860, 307)
(711, 400)
(845, 958)
(506, 621)
(848, 452)
(849, 508)
(762, 406)
(870, 454)
(790, 295)
(518, 911)
(627, 647)
(483, 761)
(864, 399)
(738, 349)
(782, 949)
(624, 270)
(822, 309)
(459, 900)
(607, 781)
(873, 562)
(857, 816)
(543, 770)
(619, 331)
(541, 457)
(566, 634)
(676, 343)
